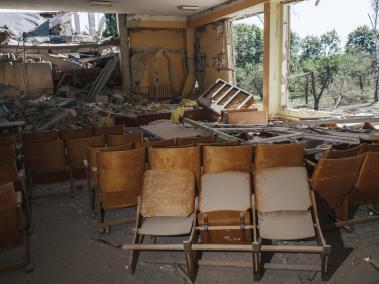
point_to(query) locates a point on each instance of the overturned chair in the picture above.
(167, 205)
(119, 183)
(285, 208)
(13, 226)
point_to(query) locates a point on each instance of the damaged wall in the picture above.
(158, 60)
(35, 79)
(214, 53)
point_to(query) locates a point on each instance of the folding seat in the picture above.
(122, 139)
(45, 163)
(369, 148)
(37, 137)
(285, 207)
(13, 226)
(91, 169)
(77, 153)
(167, 205)
(119, 178)
(225, 195)
(333, 180)
(113, 130)
(194, 140)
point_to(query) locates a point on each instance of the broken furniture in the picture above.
(223, 96)
(120, 177)
(13, 232)
(245, 116)
(166, 209)
(122, 139)
(285, 208)
(45, 163)
(182, 141)
(224, 213)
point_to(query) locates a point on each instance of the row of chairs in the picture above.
(207, 193)
(345, 178)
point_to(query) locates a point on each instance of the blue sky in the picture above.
(342, 15)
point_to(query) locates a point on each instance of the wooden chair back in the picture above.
(194, 140)
(337, 154)
(120, 177)
(122, 139)
(177, 158)
(8, 171)
(8, 152)
(7, 140)
(113, 130)
(39, 137)
(9, 223)
(218, 159)
(156, 143)
(75, 133)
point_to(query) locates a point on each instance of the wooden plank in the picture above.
(154, 247)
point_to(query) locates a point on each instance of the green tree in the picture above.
(248, 44)
(362, 40)
(111, 25)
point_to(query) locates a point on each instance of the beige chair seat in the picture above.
(282, 189)
(167, 226)
(286, 225)
(225, 191)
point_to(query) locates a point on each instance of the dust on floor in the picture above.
(65, 250)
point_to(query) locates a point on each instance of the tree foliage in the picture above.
(361, 40)
(110, 25)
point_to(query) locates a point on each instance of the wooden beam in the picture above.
(152, 24)
(224, 12)
(266, 57)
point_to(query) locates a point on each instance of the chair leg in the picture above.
(189, 260)
(133, 256)
(342, 212)
(100, 217)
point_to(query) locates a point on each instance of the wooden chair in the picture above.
(116, 140)
(39, 137)
(8, 152)
(369, 148)
(77, 152)
(9, 173)
(336, 154)
(333, 180)
(113, 130)
(166, 209)
(91, 169)
(13, 226)
(156, 143)
(366, 187)
(285, 208)
(75, 133)
(120, 176)
(7, 140)
(194, 140)
(225, 195)
(45, 163)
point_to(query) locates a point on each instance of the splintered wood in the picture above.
(223, 96)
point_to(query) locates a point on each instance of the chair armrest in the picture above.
(85, 163)
(94, 169)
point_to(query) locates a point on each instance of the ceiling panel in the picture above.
(147, 7)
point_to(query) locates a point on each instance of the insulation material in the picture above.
(214, 53)
(34, 78)
(158, 63)
(168, 193)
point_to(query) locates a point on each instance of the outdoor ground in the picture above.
(64, 251)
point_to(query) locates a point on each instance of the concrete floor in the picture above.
(64, 251)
